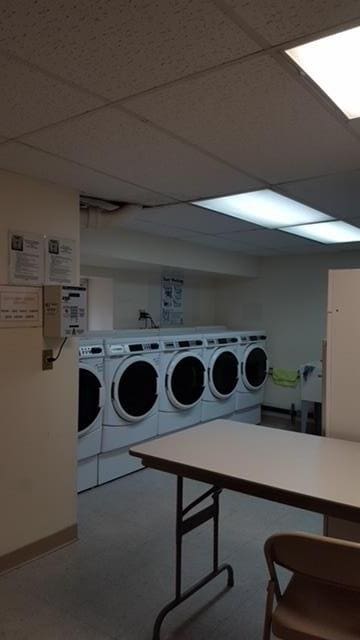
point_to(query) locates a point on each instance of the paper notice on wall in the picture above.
(20, 306)
(60, 261)
(26, 258)
(172, 300)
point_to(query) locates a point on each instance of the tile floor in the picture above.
(112, 582)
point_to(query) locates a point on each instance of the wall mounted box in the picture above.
(64, 311)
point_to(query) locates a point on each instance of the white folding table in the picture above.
(301, 470)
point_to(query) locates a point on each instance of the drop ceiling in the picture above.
(161, 103)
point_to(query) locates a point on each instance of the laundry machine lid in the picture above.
(185, 380)
(223, 373)
(134, 388)
(255, 367)
(91, 398)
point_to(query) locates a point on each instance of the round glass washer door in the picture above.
(185, 380)
(134, 389)
(91, 398)
(254, 367)
(223, 373)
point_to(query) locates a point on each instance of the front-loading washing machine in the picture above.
(254, 369)
(90, 410)
(132, 401)
(182, 381)
(221, 358)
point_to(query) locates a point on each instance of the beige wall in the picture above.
(105, 247)
(100, 297)
(136, 289)
(288, 299)
(38, 408)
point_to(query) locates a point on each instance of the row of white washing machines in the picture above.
(134, 386)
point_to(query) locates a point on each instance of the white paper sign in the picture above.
(172, 300)
(60, 261)
(26, 258)
(20, 306)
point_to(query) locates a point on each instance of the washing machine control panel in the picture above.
(171, 345)
(219, 342)
(148, 346)
(135, 347)
(91, 351)
(252, 337)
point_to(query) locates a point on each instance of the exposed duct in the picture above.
(97, 217)
(104, 206)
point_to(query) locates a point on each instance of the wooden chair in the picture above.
(322, 599)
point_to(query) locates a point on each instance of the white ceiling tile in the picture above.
(279, 21)
(31, 99)
(152, 228)
(118, 48)
(232, 244)
(192, 219)
(110, 140)
(22, 159)
(258, 117)
(271, 239)
(338, 195)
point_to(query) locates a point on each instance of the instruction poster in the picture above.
(172, 300)
(60, 261)
(20, 306)
(26, 258)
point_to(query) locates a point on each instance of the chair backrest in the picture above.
(327, 559)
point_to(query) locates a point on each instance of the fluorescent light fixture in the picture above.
(327, 232)
(265, 207)
(333, 63)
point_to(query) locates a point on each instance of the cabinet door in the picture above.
(342, 400)
(343, 355)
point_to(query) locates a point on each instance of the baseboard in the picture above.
(271, 409)
(39, 548)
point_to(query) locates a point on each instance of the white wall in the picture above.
(136, 289)
(288, 300)
(38, 408)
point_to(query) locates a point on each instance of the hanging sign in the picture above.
(20, 306)
(26, 258)
(60, 261)
(172, 300)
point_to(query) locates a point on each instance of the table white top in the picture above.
(318, 474)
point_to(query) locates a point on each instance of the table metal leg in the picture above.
(305, 409)
(183, 526)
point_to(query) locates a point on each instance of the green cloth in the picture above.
(285, 377)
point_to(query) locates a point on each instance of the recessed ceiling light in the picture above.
(332, 62)
(327, 232)
(266, 208)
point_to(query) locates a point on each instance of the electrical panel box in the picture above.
(64, 311)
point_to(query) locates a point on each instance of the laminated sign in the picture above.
(20, 306)
(26, 258)
(172, 300)
(60, 261)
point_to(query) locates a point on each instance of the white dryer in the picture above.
(254, 369)
(132, 401)
(182, 381)
(90, 410)
(221, 358)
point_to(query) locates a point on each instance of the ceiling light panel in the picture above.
(332, 62)
(332, 232)
(265, 208)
